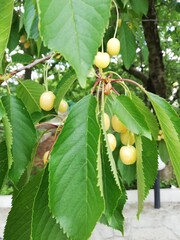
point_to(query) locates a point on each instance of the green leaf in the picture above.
(110, 156)
(2, 110)
(140, 175)
(139, 6)
(14, 34)
(31, 20)
(147, 166)
(111, 191)
(130, 116)
(128, 172)
(63, 86)
(170, 125)
(163, 152)
(29, 92)
(148, 115)
(23, 133)
(125, 2)
(3, 163)
(6, 14)
(150, 163)
(8, 138)
(18, 225)
(109, 101)
(44, 226)
(117, 219)
(21, 183)
(75, 29)
(75, 199)
(128, 45)
(21, 58)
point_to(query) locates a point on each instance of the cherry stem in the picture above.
(129, 80)
(102, 47)
(117, 15)
(95, 85)
(46, 76)
(114, 90)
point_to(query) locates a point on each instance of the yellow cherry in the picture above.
(106, 121)
(46, 156)
(113, 46)
(47, 100)
(117, 125)
(128, 154)
(22, 38)
(127, 138)
(26, 44)
(111, 141)
(102, 60)
(63, 106)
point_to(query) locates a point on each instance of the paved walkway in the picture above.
(154, 224)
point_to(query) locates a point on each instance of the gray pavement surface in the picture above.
(154, 224)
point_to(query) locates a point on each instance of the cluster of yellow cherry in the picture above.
(160, 135)
(24, 41)
(102, 59)
(127, 153)
(47, 102)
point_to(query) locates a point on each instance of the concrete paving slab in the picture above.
(154, 224)
(3, 216)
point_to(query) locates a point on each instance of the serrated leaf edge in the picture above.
(9, 138)
(109, 153)
(138, 142)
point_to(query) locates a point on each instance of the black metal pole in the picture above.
(157, 202)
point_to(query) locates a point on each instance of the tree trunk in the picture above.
(156, 80)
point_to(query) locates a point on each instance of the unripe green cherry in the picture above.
(102, 60)
(119, 22)
(113, 46)
(47, 100)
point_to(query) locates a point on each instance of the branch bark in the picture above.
(5, 77)
(31, 65)
(156, 81)
(136, 73)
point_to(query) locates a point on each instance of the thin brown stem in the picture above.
(95, 85)
(116, 92)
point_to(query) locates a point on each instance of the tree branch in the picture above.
(133, 71)
(31, 65)
(6, 76)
